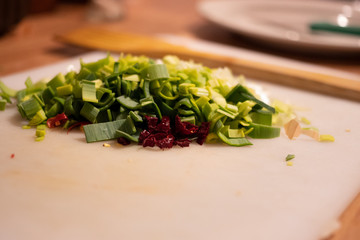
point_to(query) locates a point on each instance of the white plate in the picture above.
(282, 23)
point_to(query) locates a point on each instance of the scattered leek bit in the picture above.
(28, 83)
(311, 132)
(305, 121)
(40, 130)
(2, 104)
(282, 107)
(5, 97)
(106, 145)
(7, 90)
(292, 129)
(26, 127)
(39, 139)
(284, 112)
(289, 163)
(289, 157)
(326, 138)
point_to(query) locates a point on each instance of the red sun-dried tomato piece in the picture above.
(163, 125)
(182, 142)
(184, 129)
(149, 141)
(203, 132)
(123, 141)
(151, 123)
(163, 140)
(78, 124)
(160, 133)
(143, 135)
(57, 121)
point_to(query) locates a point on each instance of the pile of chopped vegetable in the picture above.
(162, 103)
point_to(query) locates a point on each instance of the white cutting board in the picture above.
(63, 188)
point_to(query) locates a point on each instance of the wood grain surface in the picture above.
(31, 44)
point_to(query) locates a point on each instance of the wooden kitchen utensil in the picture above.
(96, 38)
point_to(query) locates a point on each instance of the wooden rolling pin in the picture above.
(102, 39)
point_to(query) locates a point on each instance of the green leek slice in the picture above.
(2, 104)
(28, 83)
(289, 157)
(262, 117)
(132, 137)
(135, 117)
(263, 131)
(89, 91)
(38, 118)
(128, 102)
(48, 94)
(64, 90)
(157, 72)
(29, 108)
(53, 110)
(57, 81)
(102, 131)
(7, 90)
(236, 142)
(40, 130)
(5, 97)
(128, 126)
(240, 94)
(89, 112)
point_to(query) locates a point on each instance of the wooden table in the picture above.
(31, 44)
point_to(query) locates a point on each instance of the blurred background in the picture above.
(29, 27)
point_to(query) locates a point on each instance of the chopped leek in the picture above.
(132, 137)
(236, 142)
(8, 91)
(128, 103)
(89, 91)
(40, 130)
(28, 83)
(262, 117)
(102, 131)
(2, 104)
(157, 72)
(240, 94)
(57, 81)
(38, 118)
(264, 131)
(89, 112)
(289, 157)
(29, 108)
(115, 96)
(326, 138)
